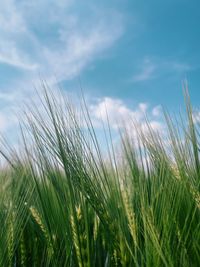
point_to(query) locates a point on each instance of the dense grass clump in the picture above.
(63, 204)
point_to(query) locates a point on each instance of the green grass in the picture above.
(63, 204)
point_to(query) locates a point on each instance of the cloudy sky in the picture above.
(131, 56)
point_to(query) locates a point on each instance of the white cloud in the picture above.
(116, 111)
(120, 116)
(156, 111)
(143, 107)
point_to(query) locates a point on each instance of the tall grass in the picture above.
(63, 204)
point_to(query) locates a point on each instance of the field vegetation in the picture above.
(64, 203)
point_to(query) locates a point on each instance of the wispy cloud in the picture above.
(11, 55)
(154, 67)
(49, 38)
(146, 72)
(15, 36)
(79, 49)
(180, 67)
(11, 20)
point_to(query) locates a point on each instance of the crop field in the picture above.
(63, 202)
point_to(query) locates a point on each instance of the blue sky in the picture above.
(131, 56)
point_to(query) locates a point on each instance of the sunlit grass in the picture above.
(63, 204)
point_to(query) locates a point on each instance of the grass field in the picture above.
(63, 203)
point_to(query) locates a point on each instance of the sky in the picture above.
(130, 56)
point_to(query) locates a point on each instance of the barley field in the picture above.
(64, 203)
